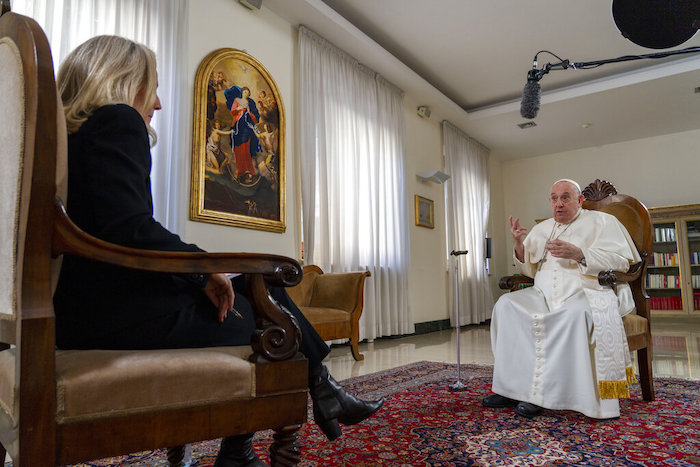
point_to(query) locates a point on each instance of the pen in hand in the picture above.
(236, 313)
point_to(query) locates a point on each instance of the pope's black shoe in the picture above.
(496, 401)
(528, 410)
(333, 405)
(237, 451)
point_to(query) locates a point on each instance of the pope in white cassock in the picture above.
(561, 343)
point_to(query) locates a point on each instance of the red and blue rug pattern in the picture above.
(424, 424)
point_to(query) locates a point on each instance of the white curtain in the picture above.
(352, 179)
(467, 204)
(162, 26)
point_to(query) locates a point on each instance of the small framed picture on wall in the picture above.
(425, 212)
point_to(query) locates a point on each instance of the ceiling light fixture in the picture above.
(526, 125)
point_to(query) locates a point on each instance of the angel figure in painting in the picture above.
(217, 157)
(244, 138)
(269, 140)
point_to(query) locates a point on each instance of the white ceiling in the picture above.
(468, 60)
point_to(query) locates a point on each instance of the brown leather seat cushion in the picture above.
(634, 324)
(321, 315)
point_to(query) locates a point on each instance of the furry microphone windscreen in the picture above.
(530, 104)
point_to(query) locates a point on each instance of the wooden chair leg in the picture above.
(354, 343)
(285, 450)
(646, 379)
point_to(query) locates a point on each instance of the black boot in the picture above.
(180, 456)
(237, 451)
(332, 404)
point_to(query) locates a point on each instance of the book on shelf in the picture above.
(664, 234)
(663, 281)
(693, 229)
(664, 259)
(695, 257)
(666, 303)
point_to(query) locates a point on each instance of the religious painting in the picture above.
(238, 155)
(425, 212)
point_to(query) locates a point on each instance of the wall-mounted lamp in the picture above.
(434, 176)
(423, 111)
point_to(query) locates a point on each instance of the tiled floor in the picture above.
(676, 350)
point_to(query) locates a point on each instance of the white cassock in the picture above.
(561, 343)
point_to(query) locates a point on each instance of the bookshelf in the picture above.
(673, 273)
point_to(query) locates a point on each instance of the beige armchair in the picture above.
(63, 407)
(332, 303)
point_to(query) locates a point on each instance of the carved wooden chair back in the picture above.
(601, 195)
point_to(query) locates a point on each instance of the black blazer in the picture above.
(109, 196)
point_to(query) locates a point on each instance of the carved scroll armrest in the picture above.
(514, 283)
(611, 278)
(278, 335)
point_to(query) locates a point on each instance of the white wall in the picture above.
(659, 171)
(428, 275)
(215, 24)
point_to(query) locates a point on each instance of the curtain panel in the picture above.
(355, 213)
(162, 26)
(467, 202)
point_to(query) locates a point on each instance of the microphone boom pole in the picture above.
(627, 58)
(530, 104)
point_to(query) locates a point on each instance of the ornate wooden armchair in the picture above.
(602, 196)
(61, 407)
(333, 303)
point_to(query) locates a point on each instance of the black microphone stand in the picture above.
(458, 386)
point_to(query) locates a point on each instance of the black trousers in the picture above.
(198, 326)
(175, 316)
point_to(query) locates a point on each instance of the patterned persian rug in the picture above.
(424, 424)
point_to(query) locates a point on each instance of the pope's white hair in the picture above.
(568, 180)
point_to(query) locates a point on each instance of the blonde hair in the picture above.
(106, 70)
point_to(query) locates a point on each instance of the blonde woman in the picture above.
(108, 87)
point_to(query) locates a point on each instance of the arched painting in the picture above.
(238, 160)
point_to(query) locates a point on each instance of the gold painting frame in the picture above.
(238, 144)
(424, 212)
